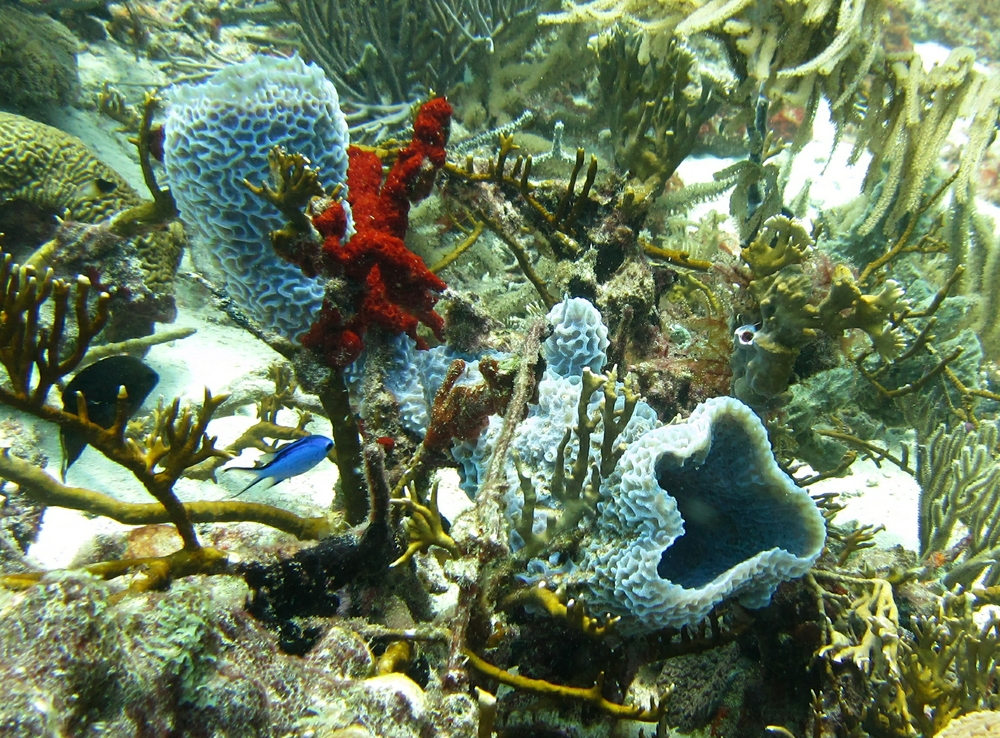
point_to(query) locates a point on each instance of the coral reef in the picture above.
(262, 103)
(549, 516)
(56, 173)
(662, 497)
(38, 62)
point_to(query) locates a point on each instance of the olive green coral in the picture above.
(37, 61)
(656, 106)
(793, 315)
(959, 475)
(45, 167)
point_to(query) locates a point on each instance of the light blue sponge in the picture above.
(579, 338)
(694, 513)
(219, 133)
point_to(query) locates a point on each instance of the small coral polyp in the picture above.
(697, 512)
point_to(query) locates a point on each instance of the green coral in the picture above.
(959, 477)
(656, 105)
(45, 167)
(37, 61)
(794, 313)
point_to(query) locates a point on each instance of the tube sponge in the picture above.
(694, 513)
(219, 133)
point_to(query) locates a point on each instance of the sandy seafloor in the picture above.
(224, 358)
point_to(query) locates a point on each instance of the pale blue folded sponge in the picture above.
(218, 133)
(694, 513)
(579, 338)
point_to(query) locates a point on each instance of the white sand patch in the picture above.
(876, 495)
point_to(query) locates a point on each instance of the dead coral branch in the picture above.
(44, 488)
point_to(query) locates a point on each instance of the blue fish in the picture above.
(288, 461)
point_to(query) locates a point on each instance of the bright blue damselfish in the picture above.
(288, 461)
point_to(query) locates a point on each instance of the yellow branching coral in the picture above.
(295, 184)
(918, 683)
(573, 611)
(847, 307)
(37, 351)
(876, 650)
(577, 489)
(47, 490)
(424, 527)
(593, 694)
(34, 359)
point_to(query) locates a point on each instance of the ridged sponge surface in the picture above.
(219, 133)
(579, 338)
(694, 513)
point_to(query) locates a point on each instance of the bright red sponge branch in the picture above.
(392, 286)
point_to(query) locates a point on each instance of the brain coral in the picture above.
(44, 167)
(37, 61)
(219, 133)
(696, 512)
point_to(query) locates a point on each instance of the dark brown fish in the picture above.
(99, 384)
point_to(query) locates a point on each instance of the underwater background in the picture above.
(499, 367)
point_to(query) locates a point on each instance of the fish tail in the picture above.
(255, 481)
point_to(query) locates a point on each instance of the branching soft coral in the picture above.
(392, 286)
(46, 327)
